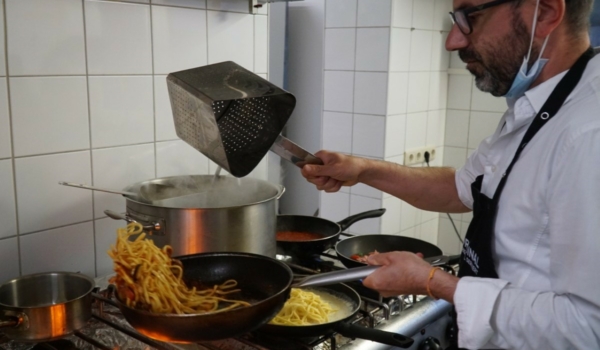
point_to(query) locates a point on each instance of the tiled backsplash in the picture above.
(83, 99)
(390, 86)
(385, 92)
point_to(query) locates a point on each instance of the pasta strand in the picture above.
(148, 279)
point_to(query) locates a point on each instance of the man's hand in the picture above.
(404, 273)
(337, 170)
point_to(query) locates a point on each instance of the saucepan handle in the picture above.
(156, 226)
(12, 319)
(341, 276)
(376, 335)
(347, 222)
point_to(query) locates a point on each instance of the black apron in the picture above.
(476, 258)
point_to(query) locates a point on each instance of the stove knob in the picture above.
(430, 343)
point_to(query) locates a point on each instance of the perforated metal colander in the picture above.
(228, 113)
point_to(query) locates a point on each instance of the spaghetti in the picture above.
(148, 279)
(303, 308)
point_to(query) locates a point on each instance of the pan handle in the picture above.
(376, 335)
(13, 320)
(347, 222)
(341, 276)
(155, 226)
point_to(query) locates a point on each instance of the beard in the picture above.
(496, 66)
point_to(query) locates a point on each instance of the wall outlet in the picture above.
(417, 155)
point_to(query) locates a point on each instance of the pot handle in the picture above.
(376, 335)
(13, 320)
(156, 226)
(347, 222)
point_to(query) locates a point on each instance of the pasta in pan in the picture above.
(303, 308)
(148, 279)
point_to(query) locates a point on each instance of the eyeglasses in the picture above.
(461, 17)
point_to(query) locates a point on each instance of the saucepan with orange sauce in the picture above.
(307, 235)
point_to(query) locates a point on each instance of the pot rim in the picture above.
(64, 273)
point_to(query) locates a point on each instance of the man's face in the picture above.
(495, 49)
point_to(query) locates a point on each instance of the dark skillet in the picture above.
(365, 244)
(348, 308)
(328, 231)
(265, 283)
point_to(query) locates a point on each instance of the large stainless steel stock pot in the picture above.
(206, 213)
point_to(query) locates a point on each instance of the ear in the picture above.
(550, 15)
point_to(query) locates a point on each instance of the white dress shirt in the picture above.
(547, 236)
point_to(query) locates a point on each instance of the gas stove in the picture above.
(426, 320)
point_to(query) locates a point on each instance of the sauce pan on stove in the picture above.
(366, 244)
(326, 233)
(45, 306)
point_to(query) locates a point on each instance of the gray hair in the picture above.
(577, 14)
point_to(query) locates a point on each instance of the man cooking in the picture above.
(527, 275)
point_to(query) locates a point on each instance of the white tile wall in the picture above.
(339, 91)
(118, 27)
(402, 13)
(340, 48)
(85, 101)
(359, 204)
(53, 31)
(178, 158)
(372, 49)
(126, 165)
(335, 206)
(399, 55)
(43, 109)
(9, 259)
(121, 110)
(398, 70)
(8, 212)
(340, 13)
(68, 248)
(374, 13)
(199, 4)
(5, 138)
(2, 41)
(231, 38)
(370, 93)
(179, 39)
(41, 202)
(337, 132)
(421, 42)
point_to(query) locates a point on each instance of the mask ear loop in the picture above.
(535, 15)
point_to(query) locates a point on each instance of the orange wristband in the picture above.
(431, 273)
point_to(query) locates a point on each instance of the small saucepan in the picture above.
(346, 302)
(45, 306)
(315, 235)
(366, 244)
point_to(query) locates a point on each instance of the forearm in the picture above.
(432, 189)
(494, 314)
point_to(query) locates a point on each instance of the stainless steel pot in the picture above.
(204, 213)
(45, 306)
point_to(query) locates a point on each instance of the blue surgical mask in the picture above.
(525, 78)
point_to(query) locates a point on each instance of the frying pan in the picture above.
(382, 243)
(264, 282)
(347, 302)
(328, 230)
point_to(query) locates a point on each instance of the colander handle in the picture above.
(293, 153)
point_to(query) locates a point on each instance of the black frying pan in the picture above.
(328, 231)
(382, 243)
(347, 302)
(264, 282)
